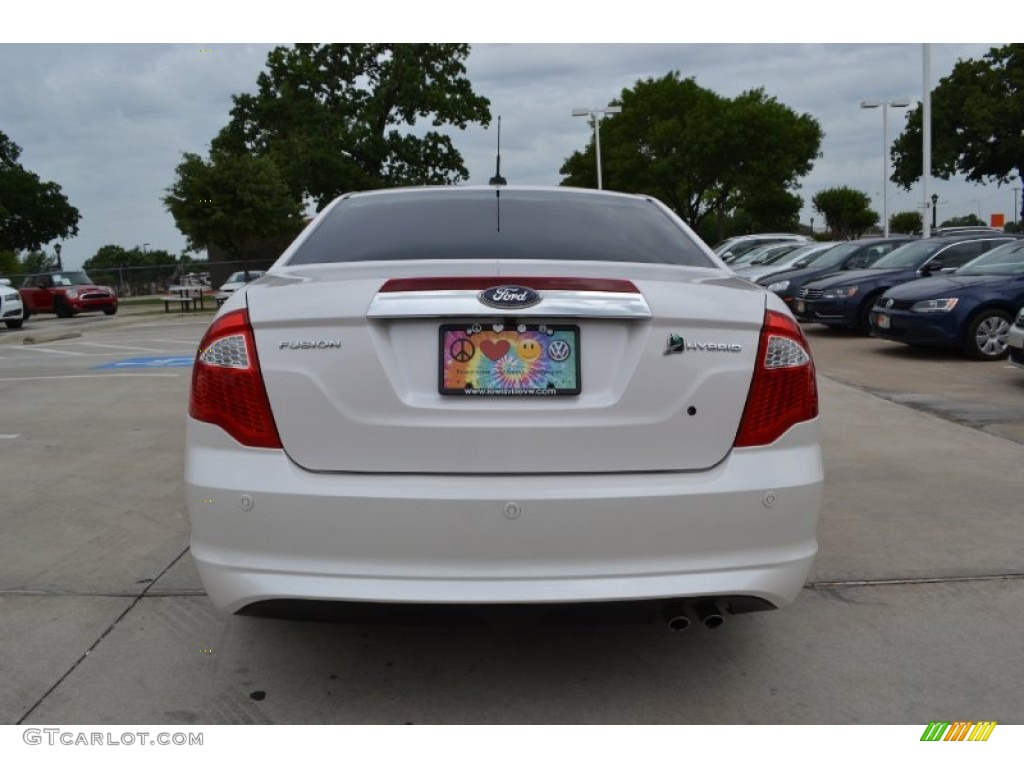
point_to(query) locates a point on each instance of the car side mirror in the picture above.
(931, 267)
(800, 264)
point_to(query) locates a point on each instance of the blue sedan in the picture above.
(971, 309)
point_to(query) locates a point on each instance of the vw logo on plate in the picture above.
(509, 297)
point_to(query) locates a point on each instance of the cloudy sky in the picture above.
(109, 122)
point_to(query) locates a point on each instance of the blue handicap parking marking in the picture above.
(149, 362)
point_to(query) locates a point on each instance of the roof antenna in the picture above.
(497, 180)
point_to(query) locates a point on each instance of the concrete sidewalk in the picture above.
(914, 610)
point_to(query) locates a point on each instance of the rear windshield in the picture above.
(481, 224)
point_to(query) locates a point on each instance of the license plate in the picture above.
(882, 321)
(800, 307)
(509, 360)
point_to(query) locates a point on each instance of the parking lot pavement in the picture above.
(900, 654)
(911, 496)
(988, 396)
(913, 611)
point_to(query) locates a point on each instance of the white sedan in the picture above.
(1015, 340)
(236, 281)
(480, 396)
(12, 311)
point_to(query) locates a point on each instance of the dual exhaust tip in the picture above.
(679, 617)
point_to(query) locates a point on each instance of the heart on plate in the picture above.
(495, 350)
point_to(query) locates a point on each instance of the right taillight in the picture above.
(227, 385)
(783, 391)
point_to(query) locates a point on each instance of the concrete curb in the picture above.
(51, 336)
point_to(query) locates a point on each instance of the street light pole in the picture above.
(595, 114)
(926, 131)
(885, 151)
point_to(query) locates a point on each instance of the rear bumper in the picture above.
(746, 527)
(926, 330)
(836, 313)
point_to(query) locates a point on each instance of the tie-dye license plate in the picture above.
(500, 359)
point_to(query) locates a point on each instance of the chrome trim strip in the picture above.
(600, 304)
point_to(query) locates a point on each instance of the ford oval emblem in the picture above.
(509, 297)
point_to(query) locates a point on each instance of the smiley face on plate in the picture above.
(528, 350)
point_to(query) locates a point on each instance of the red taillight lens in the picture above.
(463, 283)
(783, 391)
(227, 386)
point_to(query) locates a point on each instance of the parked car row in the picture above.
(853, 255)
(782, 261)
(730, 250)
(845, 301)
(971, 309)
(959, 291)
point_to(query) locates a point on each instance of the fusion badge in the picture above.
(320, 344)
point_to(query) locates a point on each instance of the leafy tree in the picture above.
(34, 262)
(771, 209)
(188, 263)
(232, 201)
(131, 270)
(906, 223)
(970, 220)
(977, 123)
(32, 211)
(847, 211)
(704, 155)
(9, 264)
(336, 118)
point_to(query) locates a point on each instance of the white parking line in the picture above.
(119, 346)
(79, 354)
(181, 324)
(51, 351)
(175, 342)
(8, 437)
(180, 342)
(95, 376)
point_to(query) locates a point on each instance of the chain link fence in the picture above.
(149, 280)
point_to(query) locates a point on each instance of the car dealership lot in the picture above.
(913, 610)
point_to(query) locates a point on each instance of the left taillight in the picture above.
(227, 385)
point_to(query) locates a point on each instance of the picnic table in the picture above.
(189, 296)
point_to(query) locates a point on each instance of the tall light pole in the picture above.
(885, 150)
(926, 133)
(595, 114)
